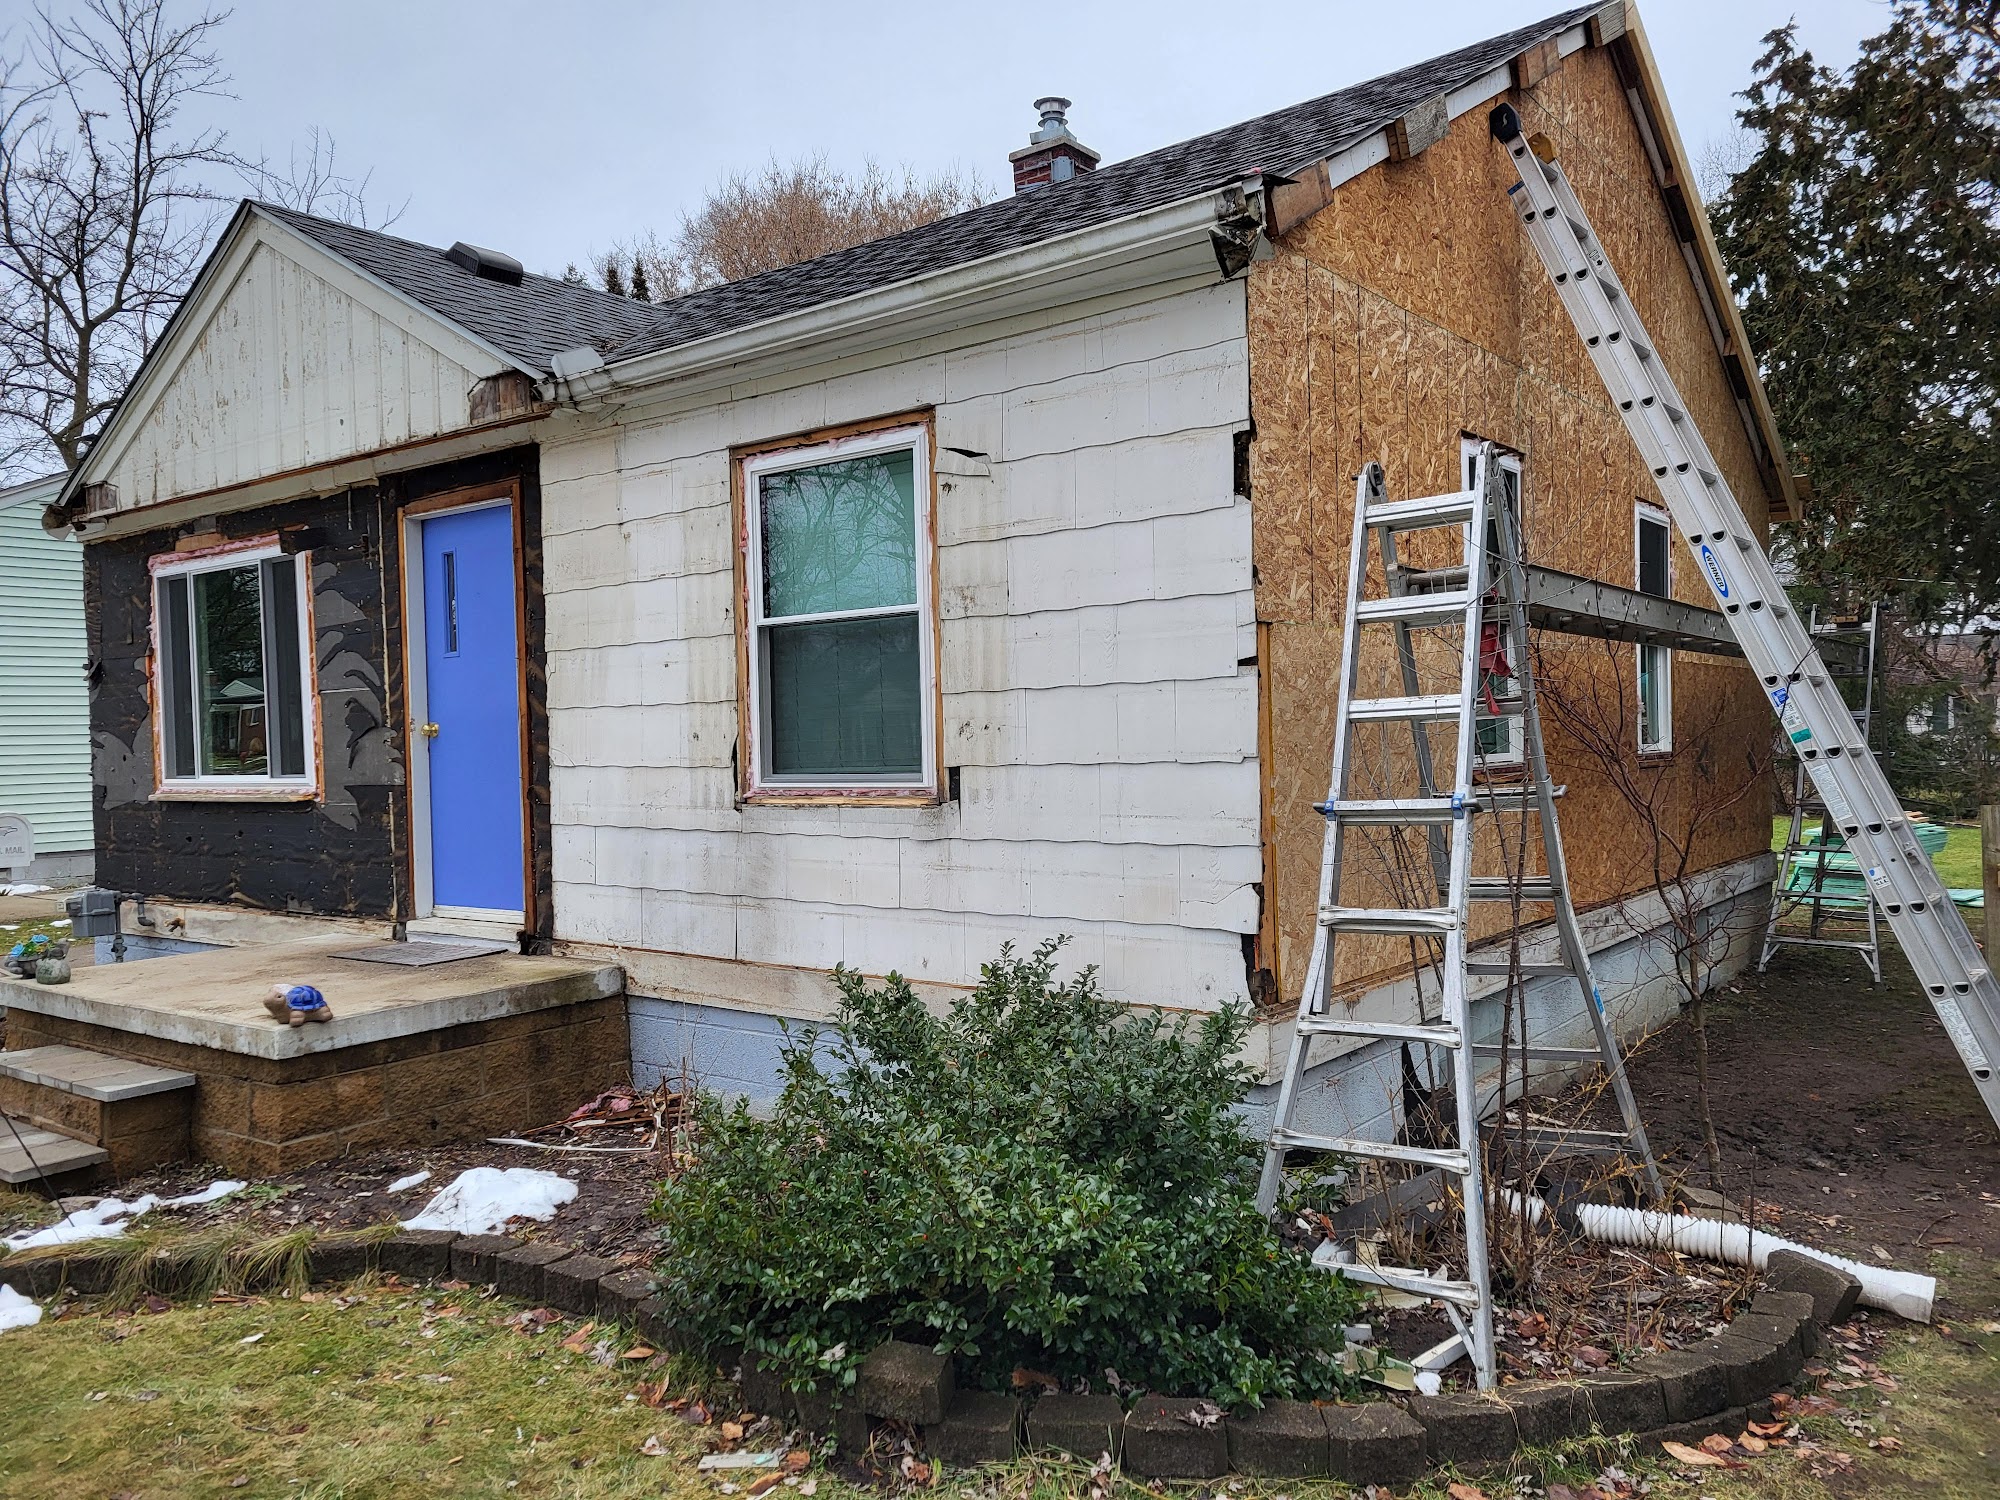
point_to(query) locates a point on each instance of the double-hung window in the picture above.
(839, 637)
(1653, 544)
(1499, 741)
(232, 680)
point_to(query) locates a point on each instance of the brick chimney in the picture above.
(1052, 153)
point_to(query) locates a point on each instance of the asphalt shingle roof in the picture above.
(540, 317)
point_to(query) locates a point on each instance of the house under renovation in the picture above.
(978, 584)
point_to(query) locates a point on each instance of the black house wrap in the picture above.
(346, 852)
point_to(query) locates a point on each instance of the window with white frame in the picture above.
(837, 542)
(1653, 544)
(1499, 741)
(231, 669)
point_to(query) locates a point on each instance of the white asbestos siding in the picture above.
(1095, 598)
(288, 372)
(44, 698)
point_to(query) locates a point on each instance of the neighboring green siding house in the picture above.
(44, 698)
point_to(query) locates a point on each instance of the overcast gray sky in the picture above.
(550, 131)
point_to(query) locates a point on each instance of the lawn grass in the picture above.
(1957, 863)
(389, 1391)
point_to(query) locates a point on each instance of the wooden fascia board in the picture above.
(1649, 102)
(248, 230)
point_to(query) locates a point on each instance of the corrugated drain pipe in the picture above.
(1904, 1293)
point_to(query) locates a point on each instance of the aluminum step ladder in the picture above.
(1482, 600)
(1803, 854)
(1954, 973)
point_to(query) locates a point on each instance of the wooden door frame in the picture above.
(505, 492)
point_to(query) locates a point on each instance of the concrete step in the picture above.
(29, 1154)
(137, 1112)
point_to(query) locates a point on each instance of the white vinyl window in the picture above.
(842, 659)
(232, 675)
(1653, 545)
(1501, 741)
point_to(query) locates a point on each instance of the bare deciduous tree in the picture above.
(107, 208)
(1680, 813)
(313, 184)
(102, 217)
(781, 215)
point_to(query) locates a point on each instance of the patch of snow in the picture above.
(17, 1311)
(24, 890)
(404, 1184)
(106, 1219)
(482, 1199)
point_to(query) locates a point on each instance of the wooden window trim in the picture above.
(210, 558)
(1643, 515)
(833, 442)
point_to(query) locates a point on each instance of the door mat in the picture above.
(420, 955)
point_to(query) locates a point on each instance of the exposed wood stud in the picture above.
(1608, 24)
(1420, 129)
(1540, 60)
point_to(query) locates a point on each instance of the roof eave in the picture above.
(1123, 254)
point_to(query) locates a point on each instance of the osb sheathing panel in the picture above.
(1411, 311)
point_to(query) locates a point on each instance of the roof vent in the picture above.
(490, 264)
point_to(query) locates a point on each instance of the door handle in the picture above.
(428, 731)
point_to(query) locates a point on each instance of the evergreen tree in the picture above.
(1864, 241)
(573, 276)
(614, 278)
(640, 291)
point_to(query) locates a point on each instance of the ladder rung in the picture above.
(1482, 888)
(1392, 810)
(1542, 1054)
(1416, 1156)
(1526, 971)
(1513, 795)
(1555, 1139)
(1389, 919)
(1397, 1279)
(1433, 510)
(1426, 706)
(1393, 1031)
(1414, 609)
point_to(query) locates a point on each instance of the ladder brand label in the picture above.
(1715, 576)
(1961, 1034)
(1794, 722)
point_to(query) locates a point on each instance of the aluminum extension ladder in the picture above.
(1489, 592)
(1811, 855)
(1954, 973)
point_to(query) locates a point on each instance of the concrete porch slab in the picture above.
(216, 999)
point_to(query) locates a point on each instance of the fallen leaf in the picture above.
(797, 1459)
(1717, 1444)
(1533, 1326)
(1596, 1359)
(1694, 1456)
(769, 1481)
(653, 1447)
(1751, 1443)
(1885, 1443)
(732, 1432)
(254, 1338)
(1026, 1379)
(640, 1351)
(1462, 1491)
(1768, 1429)
(809, 1488)
(155, 1303)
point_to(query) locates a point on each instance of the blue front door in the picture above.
(472, 694)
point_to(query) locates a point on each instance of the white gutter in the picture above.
(1040, 268)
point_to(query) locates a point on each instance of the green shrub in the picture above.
(1037, 1179)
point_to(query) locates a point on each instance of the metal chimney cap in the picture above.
(1054, 110)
